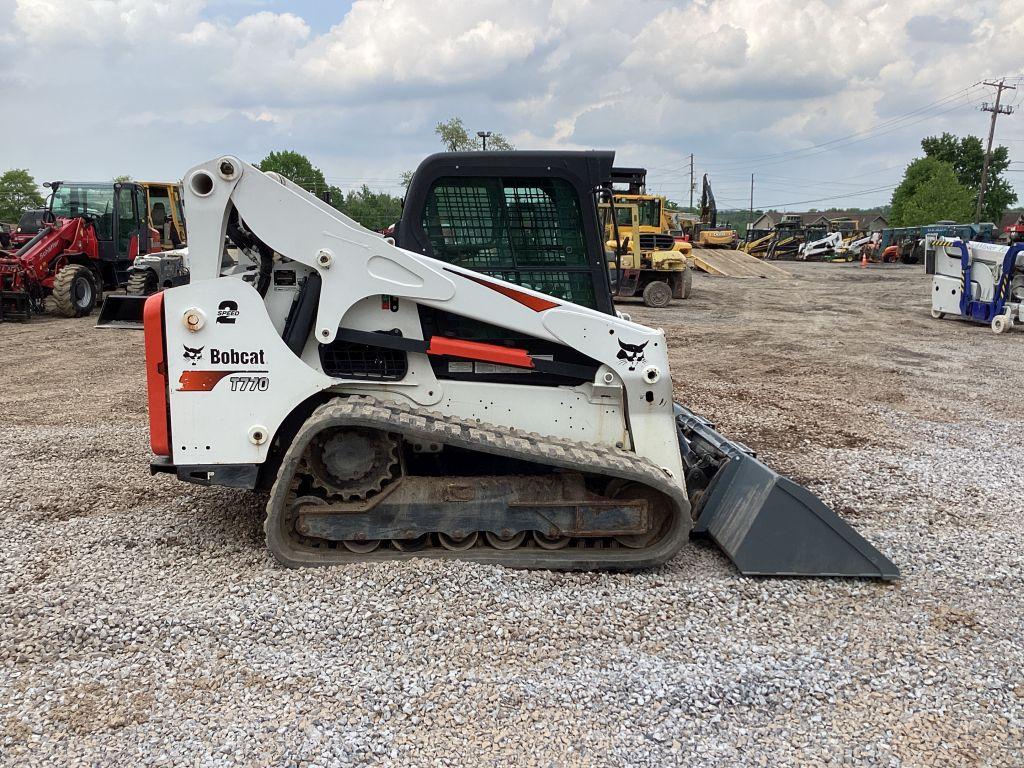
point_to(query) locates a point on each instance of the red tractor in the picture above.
(90, 236)
(1015, 232)
(29, 224)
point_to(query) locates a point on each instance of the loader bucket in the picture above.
(767, 524)
(15, 305)
(122, 311)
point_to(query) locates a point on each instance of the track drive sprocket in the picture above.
(352, 462)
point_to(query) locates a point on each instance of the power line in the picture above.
(959, 94)
(972, 103)
(868, 133)
(833, 197)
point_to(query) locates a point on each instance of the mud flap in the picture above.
(767, 524)
(122, 311)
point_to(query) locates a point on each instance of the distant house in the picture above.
(1010, 218)
(875, 223)
(865, 221)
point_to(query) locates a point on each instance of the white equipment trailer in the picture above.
(982, 282)
(350, 377)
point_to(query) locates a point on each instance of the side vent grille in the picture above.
(350, 360)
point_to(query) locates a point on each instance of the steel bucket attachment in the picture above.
(767, 524)
(122, 311)
(15, 305)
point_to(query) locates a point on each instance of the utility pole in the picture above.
(751, 221)
(691, 181)
(752, 201)
(996, 110)
(483, 138)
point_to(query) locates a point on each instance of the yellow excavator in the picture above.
(708, 233)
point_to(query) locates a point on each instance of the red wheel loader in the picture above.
(90, 236)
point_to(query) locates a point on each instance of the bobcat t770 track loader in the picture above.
(467, 393)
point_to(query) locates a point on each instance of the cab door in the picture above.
(131, 229)
(141, 204)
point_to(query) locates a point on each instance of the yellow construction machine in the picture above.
(654, 216)
(166, 214)
(643, 263)
(645, 258)
(707, 233)
(760, 245)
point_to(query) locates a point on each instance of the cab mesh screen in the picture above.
(524, 231)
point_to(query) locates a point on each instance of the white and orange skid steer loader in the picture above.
(462, 390)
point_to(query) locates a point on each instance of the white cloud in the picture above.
(82, 22)
(150, 88)
(399, 43)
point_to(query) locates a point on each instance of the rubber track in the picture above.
(430, 426)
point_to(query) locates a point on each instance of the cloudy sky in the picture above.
(825, 101)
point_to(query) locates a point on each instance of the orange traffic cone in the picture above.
(863, 259)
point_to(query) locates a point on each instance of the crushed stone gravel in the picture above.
(142, 621)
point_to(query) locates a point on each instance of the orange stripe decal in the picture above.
(201, 381)
(535, 303)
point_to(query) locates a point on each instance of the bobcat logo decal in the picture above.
(631, 354)
(193, 355)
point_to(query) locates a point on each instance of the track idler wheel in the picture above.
(658, 507)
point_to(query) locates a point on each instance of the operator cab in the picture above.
(525, 217)
(118, 215)
(117, 212)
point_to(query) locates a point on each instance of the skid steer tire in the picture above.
(657, 294)
(74, 291)
(142, 283)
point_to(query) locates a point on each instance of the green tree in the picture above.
(967, 156)
(295, 167)
(930, 192)
(374, 210)
(123, 178)
(18, 192)
(456, 138)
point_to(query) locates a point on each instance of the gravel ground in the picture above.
(142, 622)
